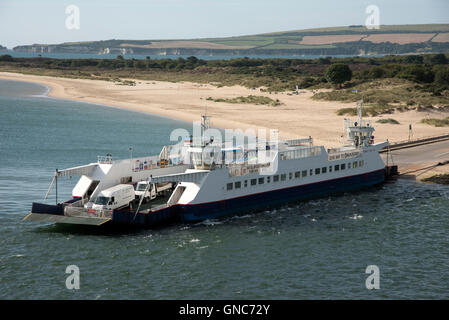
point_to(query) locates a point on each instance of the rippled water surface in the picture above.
(316, 249)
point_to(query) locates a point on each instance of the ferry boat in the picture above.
(212, 180)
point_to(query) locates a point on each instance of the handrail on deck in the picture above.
(300, 153)
(104, 159)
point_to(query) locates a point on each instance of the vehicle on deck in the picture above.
(149, 191)
(117, 197)
(206, 180)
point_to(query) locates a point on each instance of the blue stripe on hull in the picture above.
(163, 216)
(47, 208)
(211, 210)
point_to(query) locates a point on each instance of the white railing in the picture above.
(300, 153)
(104, 159)
(298, 142)
(351, 123)
(83, 212)
(147, 163)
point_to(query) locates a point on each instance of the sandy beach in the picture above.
(298, 116)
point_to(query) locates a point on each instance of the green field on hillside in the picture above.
(273, 42)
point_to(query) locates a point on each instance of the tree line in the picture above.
(424, 69)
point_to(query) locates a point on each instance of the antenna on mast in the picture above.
(205, 122)
(361, 111)
(360, 108)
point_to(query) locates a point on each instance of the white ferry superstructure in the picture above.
(206, 186)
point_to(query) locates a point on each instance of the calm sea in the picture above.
(312, 250)
(155, 56)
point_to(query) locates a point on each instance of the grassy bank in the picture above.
(257, 100)
(388, 120)
(436, 122)
(384, 96)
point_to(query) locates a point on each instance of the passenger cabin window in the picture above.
(229, 186)
(268, 179)
(343, 166)
(361, 163)
(304, 173)
(283, 177)
(276, 178)
(245, 184)
(354, 165)
(261, 180)
(330, 168)
(290, 175)
(311, 172)
(238, 185)
(253, 182)
(337, 167)
(349, 165)
(297, 175)
(324, 170)
(317, 171)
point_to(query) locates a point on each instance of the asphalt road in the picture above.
(420, 156)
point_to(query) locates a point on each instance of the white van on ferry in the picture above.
(117, 197)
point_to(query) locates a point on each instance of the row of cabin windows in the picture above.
(297, 174)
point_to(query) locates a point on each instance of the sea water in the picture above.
(316, 249)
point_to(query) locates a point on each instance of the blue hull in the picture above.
(212, 210)
(163, 216)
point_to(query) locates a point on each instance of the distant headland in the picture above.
(349, 40)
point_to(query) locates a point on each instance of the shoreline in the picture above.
(298, 116)
(49, 93)
(45, 95)
(56, 90)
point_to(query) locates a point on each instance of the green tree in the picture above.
(417, 73)
(192, 59)
(439, 59)
(414, 59)
(376, 72)
(308, 82)
(326, 60)
(338, 74)
(6, 57)
(442, 76)
(139, 64)
(103, 63)
(129, 63)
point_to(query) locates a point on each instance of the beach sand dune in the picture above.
(298, 116)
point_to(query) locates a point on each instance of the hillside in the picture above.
(351, 40)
